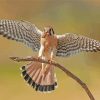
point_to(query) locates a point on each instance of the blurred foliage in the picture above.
(77, 16)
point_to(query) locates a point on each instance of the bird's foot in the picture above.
(51, 61)
(39, 57)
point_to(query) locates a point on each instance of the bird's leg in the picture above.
(52, 57)
(40, 55)
(41, 51)
(43, 68)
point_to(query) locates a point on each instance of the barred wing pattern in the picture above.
(69, 44)
(21, 31)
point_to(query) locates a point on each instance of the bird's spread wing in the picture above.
(21, 31)
(69, 44)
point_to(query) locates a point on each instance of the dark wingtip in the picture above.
(1, 31)
(98, 49)
(8, 37)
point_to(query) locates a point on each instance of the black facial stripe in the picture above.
(51, 31)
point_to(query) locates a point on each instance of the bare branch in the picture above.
(70, 74)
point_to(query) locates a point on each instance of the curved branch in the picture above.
(70, 74)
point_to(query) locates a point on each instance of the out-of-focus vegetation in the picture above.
(77, 16)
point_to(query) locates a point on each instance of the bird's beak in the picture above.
(47, 33)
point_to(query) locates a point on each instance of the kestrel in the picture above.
(41, 76)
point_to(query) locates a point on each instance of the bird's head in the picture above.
(48, 31)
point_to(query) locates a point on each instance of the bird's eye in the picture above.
(49, 31)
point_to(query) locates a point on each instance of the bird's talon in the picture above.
(39, 58)
(50, 61)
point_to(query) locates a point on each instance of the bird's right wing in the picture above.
(21, 31)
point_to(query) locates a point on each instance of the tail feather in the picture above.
(30, 81)
(34, 76)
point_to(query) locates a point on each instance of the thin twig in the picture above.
(70, 74)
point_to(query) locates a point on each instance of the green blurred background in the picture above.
(77, 16)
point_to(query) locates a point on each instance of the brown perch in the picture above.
(70, 74)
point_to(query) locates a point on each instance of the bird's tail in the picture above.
(43, 81)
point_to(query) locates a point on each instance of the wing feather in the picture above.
(70, 44)
(21, 31)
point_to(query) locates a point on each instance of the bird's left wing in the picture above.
(69, 44)
(21, 31)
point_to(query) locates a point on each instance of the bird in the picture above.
(38, 75)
